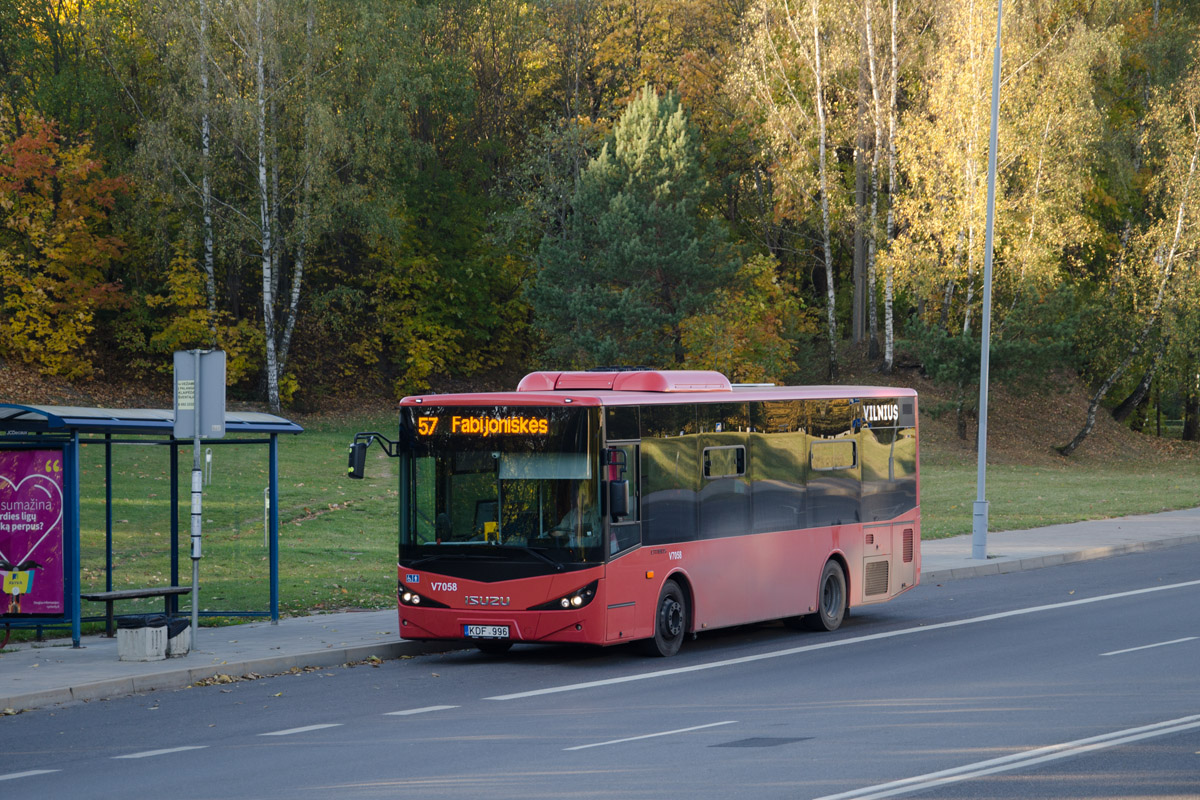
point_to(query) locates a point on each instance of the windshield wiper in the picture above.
(557, 564)
(495, 555)
(427, 559)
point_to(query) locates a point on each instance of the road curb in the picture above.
(1002, 566)
(189, 675)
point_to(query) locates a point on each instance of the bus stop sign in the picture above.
(199, 392)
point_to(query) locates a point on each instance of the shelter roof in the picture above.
(151, 421)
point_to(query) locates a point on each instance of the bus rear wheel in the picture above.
(831, 599)
(670, 622)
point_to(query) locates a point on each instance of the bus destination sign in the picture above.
(484, 426)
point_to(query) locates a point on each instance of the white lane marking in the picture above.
(305, 729)
(651, 735)
(1148, 646)
(791, 651)
(1023, 760)
(424, 710)
(149, 753)
(12, 776)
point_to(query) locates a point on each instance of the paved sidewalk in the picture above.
(1009, 551)
(36, 675)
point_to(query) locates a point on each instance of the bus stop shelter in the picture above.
(40, 543)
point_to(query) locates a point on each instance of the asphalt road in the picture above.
(1073, 681)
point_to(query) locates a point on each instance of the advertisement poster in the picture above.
(31, 532)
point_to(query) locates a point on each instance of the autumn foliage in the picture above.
(55, 249)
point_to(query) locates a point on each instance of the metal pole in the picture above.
(197, 494)
(273, 494)
(71, 540)
(174, 523)
(979, 525)
(108, 523)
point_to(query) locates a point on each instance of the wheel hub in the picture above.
(673, 617)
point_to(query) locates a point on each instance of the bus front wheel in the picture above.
(670, 622)
(831, 599)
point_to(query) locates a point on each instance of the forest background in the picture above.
(376, 197)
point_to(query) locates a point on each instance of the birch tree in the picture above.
(889, 322)
(236, 132)
(783, 71)
(1049, 125)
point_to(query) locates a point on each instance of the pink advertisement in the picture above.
(31, 532)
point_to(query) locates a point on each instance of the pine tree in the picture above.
(636, 254)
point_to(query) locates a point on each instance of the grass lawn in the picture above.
(1030, 497)
(338, 537)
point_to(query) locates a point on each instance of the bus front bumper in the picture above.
(584, 625)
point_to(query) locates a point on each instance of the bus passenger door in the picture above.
(624, 537)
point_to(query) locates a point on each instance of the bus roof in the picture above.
(644, 387)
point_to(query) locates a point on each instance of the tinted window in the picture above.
(670, 462)
(622, 423)
(889, 465)
(777, 464)
(661, 422)
(835, 476)
(725, 486)
(724, 462)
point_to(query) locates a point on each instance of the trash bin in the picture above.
(142, 637)
(179, 637)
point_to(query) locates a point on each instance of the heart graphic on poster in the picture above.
(33, 491)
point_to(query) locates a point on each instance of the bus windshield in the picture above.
(503, 482)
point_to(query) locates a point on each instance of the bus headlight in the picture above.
(576, 599)
(408, 597)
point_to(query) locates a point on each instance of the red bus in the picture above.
(611, 506)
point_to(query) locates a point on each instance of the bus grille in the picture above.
(875, 579)
(908, 545)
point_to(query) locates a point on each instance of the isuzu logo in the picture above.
(486, 600)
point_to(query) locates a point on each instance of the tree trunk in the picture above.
(831, 316)
(858, 316)
(210, 272)
(1191, 417)
(264, 210)
(873, 221)
(1138, 419)
(947, 297)
(966, 326)
(1126, 406)
(305, 215)
(889, 335)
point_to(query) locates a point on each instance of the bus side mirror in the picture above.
(618, 499)
(358, 460)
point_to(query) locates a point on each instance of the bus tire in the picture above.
(670, 622)
(494, 647)
(831, 599)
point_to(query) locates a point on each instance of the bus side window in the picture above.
(627, 531)
(627, 471)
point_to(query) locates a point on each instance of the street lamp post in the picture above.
(979, 522)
